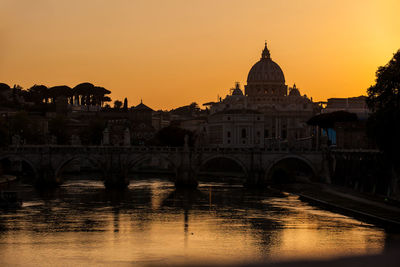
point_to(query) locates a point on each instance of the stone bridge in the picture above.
(114, 163)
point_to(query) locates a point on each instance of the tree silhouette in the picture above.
(38, 93)
(82, 93)
(99, 95)
(188, 110)
(117, 104)
(384, 102)
(125, 104)
(60, 90)
(88, 94)
(4, 87)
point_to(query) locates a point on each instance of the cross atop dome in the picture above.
(265, 53)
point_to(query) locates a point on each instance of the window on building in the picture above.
(244, 134)
(228, 134)
(266, 133)
(258, 134)
(229, 141)
(229, 118)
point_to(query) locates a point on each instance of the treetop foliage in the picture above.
(385, 93)
(384, 101)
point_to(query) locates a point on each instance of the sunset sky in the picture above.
(173, 52)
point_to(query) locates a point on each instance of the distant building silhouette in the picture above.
(355, 105)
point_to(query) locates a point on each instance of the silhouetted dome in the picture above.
(294, 91)
(266, 70)
(237, 90)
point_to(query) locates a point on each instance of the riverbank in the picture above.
(369, 208)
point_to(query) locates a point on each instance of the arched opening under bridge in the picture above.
(19, 167)
(291, 170)
(222, 169)
(79, 168)
(152, 166)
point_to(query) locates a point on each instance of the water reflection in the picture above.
(152, 222)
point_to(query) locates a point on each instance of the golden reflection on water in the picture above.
(311, 232)
(154, 224)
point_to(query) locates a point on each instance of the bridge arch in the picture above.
(292, 165)
(93, 162)
(135, 162)
(231, 158)
(23, 159)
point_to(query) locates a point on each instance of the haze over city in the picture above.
(172, 53)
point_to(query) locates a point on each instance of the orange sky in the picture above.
(174, 52)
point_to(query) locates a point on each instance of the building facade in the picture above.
(278, 113)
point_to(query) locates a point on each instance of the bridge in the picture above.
(259, 166)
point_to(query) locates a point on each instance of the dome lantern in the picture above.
(265, 53)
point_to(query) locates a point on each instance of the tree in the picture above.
(4, 87)
(88, 94)
(82, 92)
(384, 102)
(99, 95)
(117, 104)
(17, 92)
(125, 104)
(57, 91)
(107, 107)
(38, 93)
(188, 110)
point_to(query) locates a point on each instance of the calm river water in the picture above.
(151, 223)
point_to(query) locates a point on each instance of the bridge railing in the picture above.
(282, 147)
(69, 148)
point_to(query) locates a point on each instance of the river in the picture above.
(81, 223)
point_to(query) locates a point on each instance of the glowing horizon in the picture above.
(172, 53)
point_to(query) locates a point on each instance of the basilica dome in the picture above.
(266, 70)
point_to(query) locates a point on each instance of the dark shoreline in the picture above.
(323, 195)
